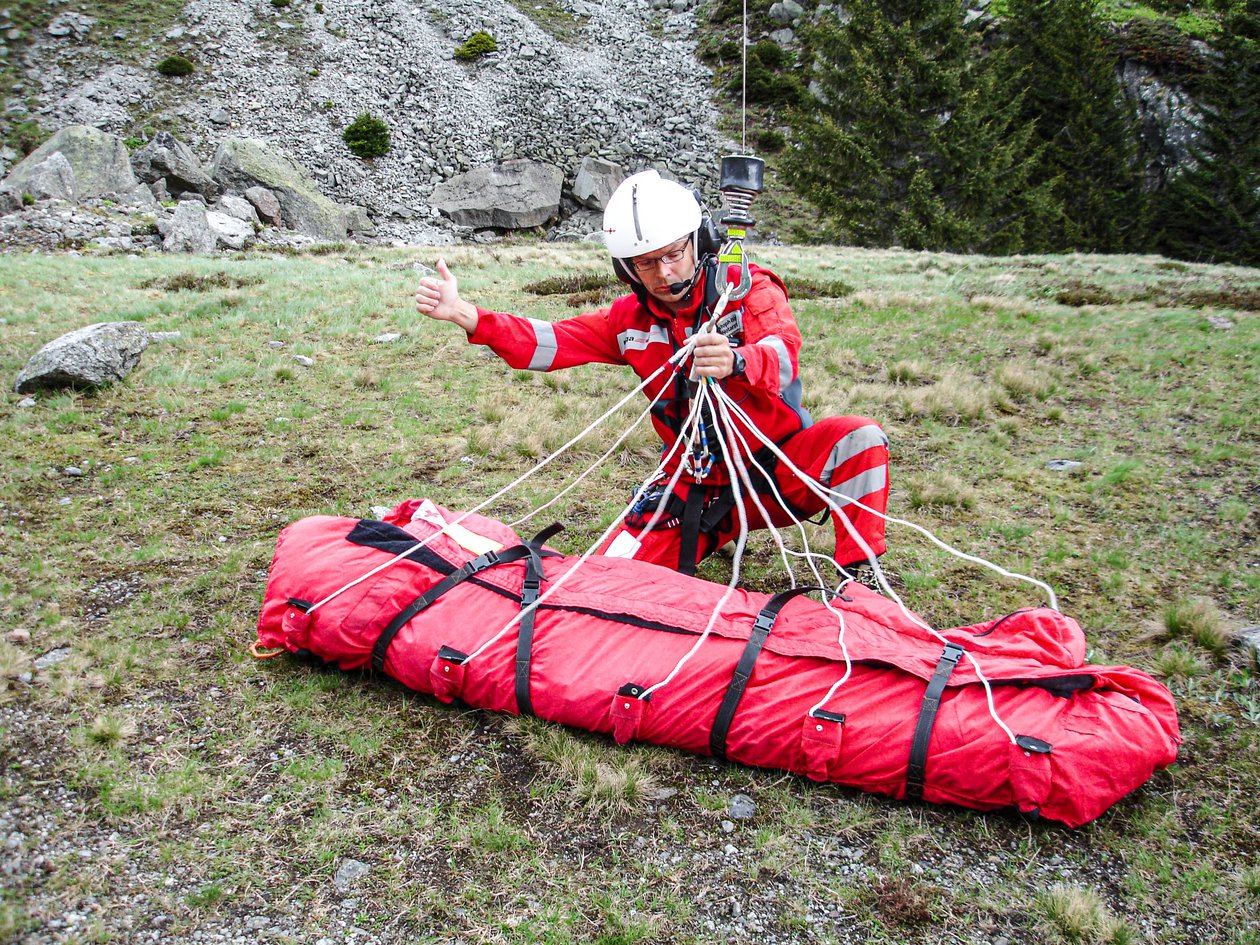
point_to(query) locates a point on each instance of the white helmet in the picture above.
(647, 212)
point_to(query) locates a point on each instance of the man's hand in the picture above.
(439, 299)
(713, 356)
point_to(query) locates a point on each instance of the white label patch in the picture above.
(624, 545)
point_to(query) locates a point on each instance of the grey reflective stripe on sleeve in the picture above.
(632, 339)
(545, 341)
(775, 344)
(854, 442)
(864, 483)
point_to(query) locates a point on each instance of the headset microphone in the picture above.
(677, 288)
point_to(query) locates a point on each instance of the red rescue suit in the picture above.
(846, 454)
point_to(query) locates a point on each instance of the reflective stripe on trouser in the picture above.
(846, 454)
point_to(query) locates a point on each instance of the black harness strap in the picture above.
(475, 566)
(689, 539)
(917, 766)
(529, 594)
(743, 669)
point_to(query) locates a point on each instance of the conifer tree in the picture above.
(1058, 57)
(910, 137)
(1212, 211)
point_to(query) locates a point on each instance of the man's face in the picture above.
(673, 263)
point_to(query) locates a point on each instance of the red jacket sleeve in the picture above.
(547, 346)
(772, 342)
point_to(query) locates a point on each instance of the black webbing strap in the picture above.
(743, 669)
(475, 566)
(917, 767)
(689, 538)
(529, 594)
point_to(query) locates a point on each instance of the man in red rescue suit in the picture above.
(654, 231)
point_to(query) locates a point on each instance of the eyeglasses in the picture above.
(673, 256)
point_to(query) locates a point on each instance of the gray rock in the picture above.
(1062, 465)
(190, 230)
(229, 231)
(10, 201)
(1249, 641)
(168, 159)
(237, 207)
(349, 873)
(265, 205)
(785, 11)
(26, 403)
(219, 116)
(242, 163)
(99, 163)
(71, 24)
(51, 179)
(386, 338)
(512, 195)
(94, 356)
(358, 223)
(52, 658)
(303, 360)
(595, 182)
(74, 472)
(742, 807)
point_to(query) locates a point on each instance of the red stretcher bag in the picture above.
(913, 720)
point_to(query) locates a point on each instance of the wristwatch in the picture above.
(740, 366)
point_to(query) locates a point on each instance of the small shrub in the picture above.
(909, 372)
(176, 65)
(367, 137)
(133, 143)
(941, 491)
(319, 8)
(1177, 662)
(1078, 294)
(772, 140)
(477, 45)
(1199, 620)
(1023, 381)
(280, 4)
(28, 199)
(579, 282)
(314, 73)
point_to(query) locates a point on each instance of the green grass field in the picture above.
(161, 785)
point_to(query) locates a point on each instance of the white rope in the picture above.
(582, 559)
(697, 406)
(673, 363)
(830, 497)
(743, 84)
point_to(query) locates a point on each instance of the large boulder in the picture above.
(509, 196)
(94, 356)
(98, 164)
(51, 179)
(243, 163)
(229, 231)
(168, 159)
(595, 182)
(189, 230)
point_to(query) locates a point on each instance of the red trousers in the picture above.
(848, 455)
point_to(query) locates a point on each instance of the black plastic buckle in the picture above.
(1035, 745)
(452, 655)
(531, 584)
(826, 716)
(633, 689)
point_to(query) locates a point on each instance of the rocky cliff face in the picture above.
(616, 79)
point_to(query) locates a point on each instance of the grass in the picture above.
(247, 784)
